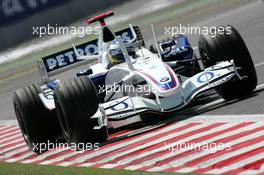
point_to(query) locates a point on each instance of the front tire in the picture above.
(225, 47)
(76, 102)
(38, 125)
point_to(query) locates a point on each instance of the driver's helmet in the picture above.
(115, 53)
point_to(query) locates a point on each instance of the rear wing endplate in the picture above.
(65, 60)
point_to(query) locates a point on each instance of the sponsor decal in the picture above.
(67, 57)
(205, 77)
(118, 106)
(223, 80)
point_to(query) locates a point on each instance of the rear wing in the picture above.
(67, 59)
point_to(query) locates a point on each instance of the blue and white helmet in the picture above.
(115, 53)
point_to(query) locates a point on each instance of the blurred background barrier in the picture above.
(18, 17)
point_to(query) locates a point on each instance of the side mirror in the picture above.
(85, 72)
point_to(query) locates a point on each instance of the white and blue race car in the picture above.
(124, 81)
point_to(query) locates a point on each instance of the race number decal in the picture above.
(120, 106)
(205, 77)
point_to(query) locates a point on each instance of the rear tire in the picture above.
(76, 102)
(38, 125)
(225, 47)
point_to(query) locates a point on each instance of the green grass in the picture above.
(29, 169)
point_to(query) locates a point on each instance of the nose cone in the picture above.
(161, 78)
(168, 84)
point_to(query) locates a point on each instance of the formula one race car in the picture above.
(126, 81)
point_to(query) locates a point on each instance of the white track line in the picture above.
(66, 164)
(4, 129)
(42, 156)
(60, 158)
(223, 157)
(12, 147)
(133, 167)
(12, 142)
(16, 132)
(186, 170)
(210, 104)
(250, 172)
(259, 64)
(10, 138)
(12, 153)
(87, 164)
(260, 86)
(238, 164)
(9, 122)
(108, 166)
(227, 118)
(22, 157)
(10, 130)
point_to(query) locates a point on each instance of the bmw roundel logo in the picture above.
(164, 79)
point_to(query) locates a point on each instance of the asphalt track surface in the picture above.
(239, 124)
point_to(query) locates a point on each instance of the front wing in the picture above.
(127, 109)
